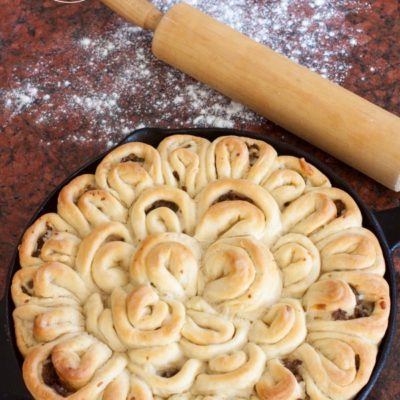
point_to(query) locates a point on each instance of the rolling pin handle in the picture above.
(139, 12)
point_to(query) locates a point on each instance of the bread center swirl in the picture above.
(163, 203)
(362, 309)
(27, 289)
(254, 153)
(42, 240)
(340, 207)
(50, 378)
(232, 196)
(132, 158)
(293, 366)
(169, 373)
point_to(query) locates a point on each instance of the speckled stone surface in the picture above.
(34, 160)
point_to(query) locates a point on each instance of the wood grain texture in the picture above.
(332, 118)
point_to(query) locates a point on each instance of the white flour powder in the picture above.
(132, 89)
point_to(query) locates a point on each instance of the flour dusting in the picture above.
(116, 85)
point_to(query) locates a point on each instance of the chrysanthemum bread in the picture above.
(200, 271)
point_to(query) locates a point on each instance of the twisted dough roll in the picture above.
(164, 369)
(232, 374)
(321, 213)
(236, 273)
(84, 206)
(206, 334)
(298, 259)
(111, 264)
(67, 204)
(142, 319)
(335, 366)
(278, 383)
(352, 249)
(281, 329)
(162, 209)
(239, 158)
(99, 323)
(354, 303)
(50, 238)
(127, 387)
(149, 319)
(107, 243)
(129, 169)
(170, 262)
(51, 284)
(194, 271)
(291, 177)
(77, 367)
(38, 324)
(183, 159)
(160, 358)
(138, 390)
(228, 208)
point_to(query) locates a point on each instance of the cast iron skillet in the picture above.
(384, 224)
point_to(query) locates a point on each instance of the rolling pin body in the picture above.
(332, 118)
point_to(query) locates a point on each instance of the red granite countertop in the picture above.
(48, 128)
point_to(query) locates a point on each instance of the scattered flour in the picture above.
(21, 98)
(132, 89)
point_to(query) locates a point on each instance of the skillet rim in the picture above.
(153, 136)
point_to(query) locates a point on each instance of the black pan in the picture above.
(384, 224)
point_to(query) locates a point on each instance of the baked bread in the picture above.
(200, 271)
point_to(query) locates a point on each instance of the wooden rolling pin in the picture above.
(332, 118)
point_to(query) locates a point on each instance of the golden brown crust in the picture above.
(239, 158)
(36, 324)
(50, 284)
(335, 365)
(89, 361)
(162, 209)
(357, 304)
(68, 207)
(351, 249)
(320, 213)
(299, 260)
(200, 271)
(88, 256)
(137, 328)
(232, 207)
(50, 238)
(170, 262)
(278, 383)
(236, 273)
(290, 177)
(232, 374)
(127, 183)
(280, 330)
(183, 159)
